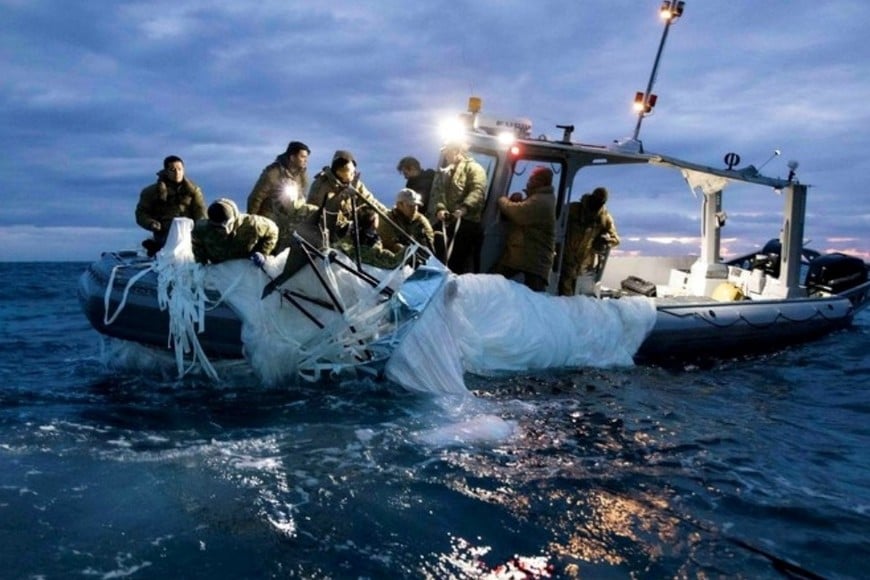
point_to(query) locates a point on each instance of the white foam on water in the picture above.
(131, 356)
(481, 429)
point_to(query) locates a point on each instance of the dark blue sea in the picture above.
(752, 468)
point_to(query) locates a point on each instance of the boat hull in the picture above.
(686, 328)
(140, 319)
(727, 329)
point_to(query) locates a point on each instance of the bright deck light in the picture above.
(452, 130)
(671, 9)
(506, 138)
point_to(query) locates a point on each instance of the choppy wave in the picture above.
(741, 469)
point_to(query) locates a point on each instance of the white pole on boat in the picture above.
(670, 11)
(791, 239)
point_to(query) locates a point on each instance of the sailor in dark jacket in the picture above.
(418, 179)
(591, 234)
(174, 195)
(230, 235)
(531, 238)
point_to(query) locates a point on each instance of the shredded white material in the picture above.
(107, 298)
(181, 290)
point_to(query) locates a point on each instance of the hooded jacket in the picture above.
(247, 234)
(531, 238)
(588, 228)
(163, 201)
(268, 194)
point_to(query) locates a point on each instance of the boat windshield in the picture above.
(522, 168)
(489, 162)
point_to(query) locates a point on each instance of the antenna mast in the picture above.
(670, 11)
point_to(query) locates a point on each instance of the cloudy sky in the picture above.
(95, 94)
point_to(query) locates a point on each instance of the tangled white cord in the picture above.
(181, 291)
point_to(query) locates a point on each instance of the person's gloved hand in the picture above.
(155, 226)
(258, 259)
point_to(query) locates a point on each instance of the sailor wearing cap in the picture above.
(407, 216)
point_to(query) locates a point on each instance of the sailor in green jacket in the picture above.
(279, 195)
(174, 195)
(371, 249)
(591, 234)
(458, 195)
(230, 235)
(333, 190)
(281, 183)
(406, 215)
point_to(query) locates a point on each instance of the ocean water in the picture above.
(752, 468)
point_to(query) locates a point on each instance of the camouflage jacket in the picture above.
(250, 233)
(418, 228)
(461, 185)
(374, 255)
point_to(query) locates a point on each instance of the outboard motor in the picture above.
(835, 273)
(768, 259)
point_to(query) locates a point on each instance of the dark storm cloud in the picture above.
(96, 94)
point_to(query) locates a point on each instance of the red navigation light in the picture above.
(672, 9)
(638, 101)
(644, 104)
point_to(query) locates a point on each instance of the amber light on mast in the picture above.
(670, 11)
